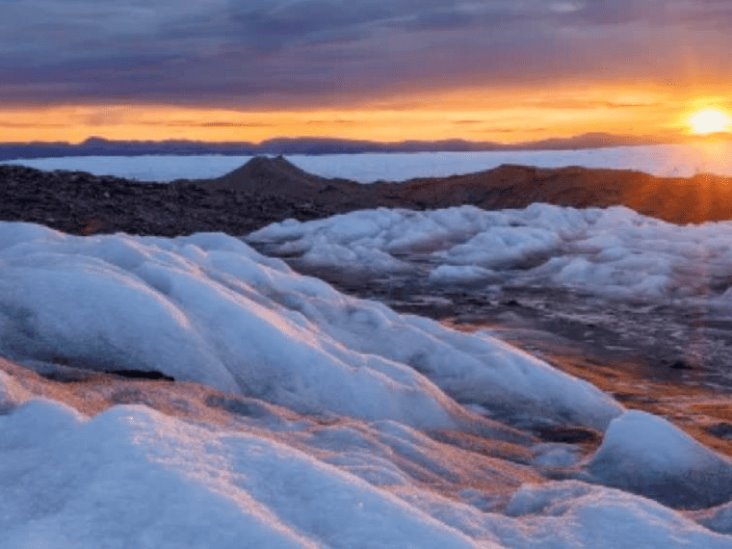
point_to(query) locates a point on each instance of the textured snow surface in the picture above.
(310, 418)
(718, 519)
(134, 477)
(208, 308)
(613, 252)
(662, 160)
(646, 454)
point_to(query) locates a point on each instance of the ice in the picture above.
(145, 167)
(454, 274)
(556, 455)
(134, 477)
(646, 454)
(208, 308)
(613, 253)
(301, 416)
(574, 514)
(662, 160)
(718, 519)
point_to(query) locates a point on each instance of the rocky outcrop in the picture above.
(266, 190)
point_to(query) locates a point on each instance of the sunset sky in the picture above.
(247, 70)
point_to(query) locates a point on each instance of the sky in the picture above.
(248, 70)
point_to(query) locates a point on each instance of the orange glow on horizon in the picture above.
(472, 114)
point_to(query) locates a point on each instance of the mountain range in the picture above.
(97, 146)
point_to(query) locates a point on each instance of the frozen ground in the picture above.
(662, 160)
(300, 416)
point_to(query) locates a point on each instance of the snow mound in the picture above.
(575, 514)
(204, 488)
(613, 252)
(647, 455)
(208, 308)
(134, 477)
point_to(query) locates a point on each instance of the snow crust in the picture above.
(210, 309)
(613, 253)
(575, 514)
(662, 160)
(313, 419)
(646, 454)
(134, 477)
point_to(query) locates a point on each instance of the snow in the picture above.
(301, 417)
(556, 455)
(135, 477)
(143, 168)
(612, 253)
(718, 519)
(662, 160)
(227, 317)
(646, 454)
(207, 488)
(574, 514)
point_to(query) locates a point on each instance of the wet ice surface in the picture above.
(672, 360)
(616, 281)
(637, 306)
(689, 341)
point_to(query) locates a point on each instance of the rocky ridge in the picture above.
(266, 190)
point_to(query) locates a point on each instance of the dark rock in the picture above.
(143, 374)
(721, 430)
(266, 190)
(569, 435)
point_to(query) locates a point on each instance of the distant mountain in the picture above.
(96, 146)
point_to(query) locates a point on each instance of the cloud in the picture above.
(300, 53)
(27, 125)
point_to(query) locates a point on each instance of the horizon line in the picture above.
(583, 140)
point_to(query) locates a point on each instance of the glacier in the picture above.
(661, 160)
(300, 416)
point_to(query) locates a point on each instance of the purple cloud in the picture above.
(290, 53)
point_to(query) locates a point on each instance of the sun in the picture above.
(709, 121)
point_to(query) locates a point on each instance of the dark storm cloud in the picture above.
(290, 53)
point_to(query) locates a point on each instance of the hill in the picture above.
(272, 189)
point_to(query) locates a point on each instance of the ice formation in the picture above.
(613, 252)
(300, 417)
(208, 308)
(661, 160)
